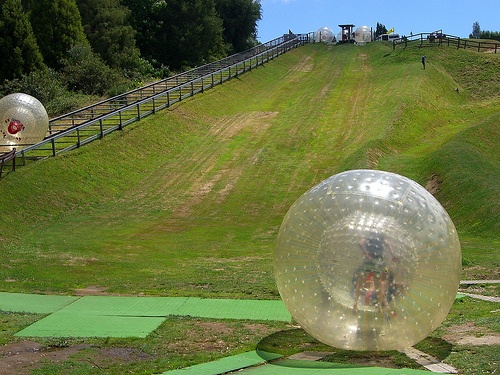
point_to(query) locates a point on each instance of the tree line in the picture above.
(477, 33)
(56, 50)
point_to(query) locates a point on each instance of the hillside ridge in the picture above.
(213, 176)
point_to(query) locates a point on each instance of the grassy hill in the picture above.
(189, 201)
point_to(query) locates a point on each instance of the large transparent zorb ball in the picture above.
(23, 121)
(368, 260)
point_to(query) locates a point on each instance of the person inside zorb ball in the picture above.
(368, 260)
(373, 279)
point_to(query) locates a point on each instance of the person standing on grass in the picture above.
(423, 61)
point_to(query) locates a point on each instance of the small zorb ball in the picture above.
(325, 35)
(23, 121)
(368, 260)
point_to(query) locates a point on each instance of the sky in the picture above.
(454, 17)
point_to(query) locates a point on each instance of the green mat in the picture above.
(33, 303)
(248, 363)
(128, 306)
(103, 316)
(236, 309)
(196, 307)
(74, 324)
(295, 367)
(227, 364)
(113, 316)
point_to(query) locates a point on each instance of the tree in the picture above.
(476, 31)
(84, 71)
(239, 21)
(495, 35)
(106, 26)
(18, 47)
(381, 29)
(177, 33)
(58, 27)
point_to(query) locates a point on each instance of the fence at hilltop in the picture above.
(437, 38)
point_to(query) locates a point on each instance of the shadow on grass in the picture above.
(291, 341)
(436, 347)
(296, 340)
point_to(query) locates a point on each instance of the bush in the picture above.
(84, 71)
(42, 84)
(46, 86)
(120, 89)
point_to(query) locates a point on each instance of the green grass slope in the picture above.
(189, 201)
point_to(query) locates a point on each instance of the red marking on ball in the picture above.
(15, 127)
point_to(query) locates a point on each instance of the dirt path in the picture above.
(22, 357)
